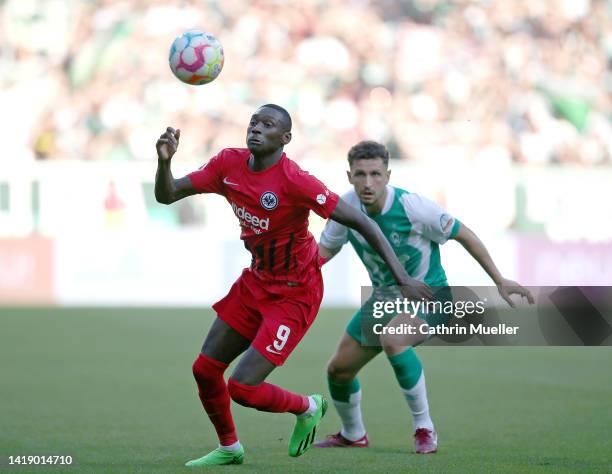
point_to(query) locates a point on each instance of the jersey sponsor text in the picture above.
(257, 224)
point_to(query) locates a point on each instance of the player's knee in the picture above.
(240, 393)
(394, 349)
(205, 370)
(340, 373)
(198, 369)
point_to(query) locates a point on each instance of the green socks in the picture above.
(343, 392)
(407, 367)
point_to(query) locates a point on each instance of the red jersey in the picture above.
(272, 207)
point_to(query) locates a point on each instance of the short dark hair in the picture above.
(286, 117)
(368, 150)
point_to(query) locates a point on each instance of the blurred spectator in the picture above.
(527, 80)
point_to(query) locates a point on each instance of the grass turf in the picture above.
(113, 389)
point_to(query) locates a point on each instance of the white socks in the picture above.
(312, 407)
(352, 422)
(232, 448)
(350, 414)
(417, 401)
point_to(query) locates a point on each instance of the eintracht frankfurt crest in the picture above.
(268, 200)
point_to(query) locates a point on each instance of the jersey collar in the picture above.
(389, 200)
(274, 166)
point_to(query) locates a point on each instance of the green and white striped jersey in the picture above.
(413, 225)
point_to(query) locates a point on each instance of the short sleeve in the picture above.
(429, 219)
(208, 178)
(334, 235)
(311, 193)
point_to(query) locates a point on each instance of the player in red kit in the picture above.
(273, 303)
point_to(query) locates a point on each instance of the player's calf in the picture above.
(267, 397)
(214, 396)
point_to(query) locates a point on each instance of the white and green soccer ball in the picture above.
(196, 57)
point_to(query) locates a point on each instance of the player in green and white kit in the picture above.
(415, 227)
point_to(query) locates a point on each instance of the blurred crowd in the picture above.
(525, 81)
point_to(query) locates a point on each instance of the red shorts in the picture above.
(274, 317)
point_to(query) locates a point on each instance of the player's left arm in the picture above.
(326, 253)
(332, 239)
(474, 246)
(352, 217)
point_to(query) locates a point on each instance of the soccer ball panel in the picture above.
(211, 54)
(198, 41)
(180, 43)
(184, 75)
(189, 56)
(175, 58)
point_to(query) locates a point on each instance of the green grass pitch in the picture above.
(113, 389)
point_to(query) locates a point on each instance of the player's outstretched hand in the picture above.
(509, 287)
(168, 143)
(416, 290)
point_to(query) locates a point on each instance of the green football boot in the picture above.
(306, 428)
(218, 457)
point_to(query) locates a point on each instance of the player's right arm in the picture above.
(168, 189)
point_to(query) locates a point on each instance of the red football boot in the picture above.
(425, 441)
(339, 441)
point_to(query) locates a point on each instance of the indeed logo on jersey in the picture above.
(256, 224)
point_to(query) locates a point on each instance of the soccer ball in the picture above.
(196, 57)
